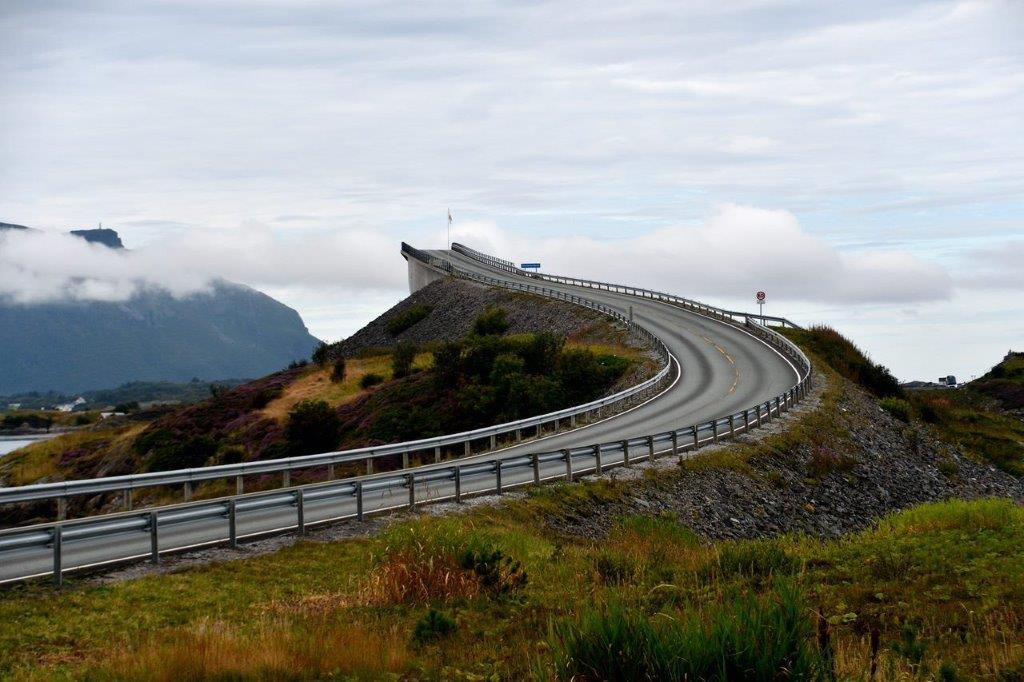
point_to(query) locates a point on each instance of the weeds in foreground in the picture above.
(747, 637)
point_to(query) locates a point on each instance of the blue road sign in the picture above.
(535, 266)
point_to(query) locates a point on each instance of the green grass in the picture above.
(949, 574)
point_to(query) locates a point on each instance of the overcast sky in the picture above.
(862, 162)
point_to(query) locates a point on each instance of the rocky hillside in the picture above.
(445, 310)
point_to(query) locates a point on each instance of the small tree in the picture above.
(312, 427)
(491, 322)
(338, 373)
(321, 354)
(402, 358)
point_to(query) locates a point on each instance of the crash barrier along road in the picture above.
(721, 374)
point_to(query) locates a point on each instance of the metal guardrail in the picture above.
(60, 491)
(702, 308)
(594, 458)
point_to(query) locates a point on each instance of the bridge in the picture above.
(722, 373)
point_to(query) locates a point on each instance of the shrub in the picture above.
(433, 626)
(747, 637)
(491, 322)
(897, 407)
(312, 427)
(370, 379)
(402, 358)
(440, 562)
(408, 318)
(132, 406)
(82, 420)
(825, 460)
(338, 373)
(321, 354)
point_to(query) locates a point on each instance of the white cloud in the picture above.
(38, 266)
(736, 251)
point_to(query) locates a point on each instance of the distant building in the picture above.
(13, 406)
(68, 407)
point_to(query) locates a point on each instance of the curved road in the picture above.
(723, 371)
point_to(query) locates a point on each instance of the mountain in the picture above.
(232, 331)
(101, 235)
(1004, 382)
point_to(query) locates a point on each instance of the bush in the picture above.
(897, 407)
(370, 379)
(408, 318)
(312, 427)
(127, 407)
(432, 627)
(82, 420)
(745, 638)
(321, 354)
(402, 358)
(491, 322)
(338, 373)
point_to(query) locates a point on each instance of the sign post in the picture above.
(760, 305)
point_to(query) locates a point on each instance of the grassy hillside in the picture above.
(489, 595)
(1004, 382)
(520, 590)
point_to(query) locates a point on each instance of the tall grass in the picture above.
(745, 638)
(278, 651)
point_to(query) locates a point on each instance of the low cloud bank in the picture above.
(735, 252)
(41, 267)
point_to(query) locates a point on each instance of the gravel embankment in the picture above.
(887, 466)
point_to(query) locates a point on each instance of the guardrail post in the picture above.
(405, 459)
(126, 499)
(232, 524)
(330, 472)
(746, 420)
(154, 538)
(599, 465)
(188, 491)
(437, 453)
(497, 476)
(239, 485)
(625, 453)
(458, 484)
(650, 448)
(359, 500)
(732, 427)
(714, 430)
(758, 408)
(572, 420)
(466, 450)
(58, 562)
(369, 465)
(494, 441)
(519, 435)
(558, 425)
(410, 480)
(568, 465)
(300, 510)
(286, 478)
(535, 463)
(778, 409)
(696, 439)
(675, 443)
(62, 508)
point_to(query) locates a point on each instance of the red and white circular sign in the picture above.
(760, 296)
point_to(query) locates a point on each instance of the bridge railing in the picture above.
(447, 481)
(451, 480)
(465, 441)
(690, 304)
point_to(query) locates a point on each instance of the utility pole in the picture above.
(449, 228)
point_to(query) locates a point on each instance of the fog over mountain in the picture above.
(86, 335)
